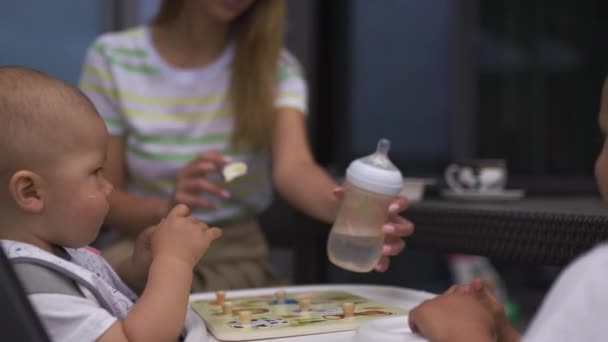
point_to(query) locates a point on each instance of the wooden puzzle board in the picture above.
(272, 318)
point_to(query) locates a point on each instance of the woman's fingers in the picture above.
(200, 185)
(339, 192)
(192, 183)
(398, 226)
(383, 264)
(212, 161)
(398, 205)
(199, 168)
(194, 201)
(392, 245)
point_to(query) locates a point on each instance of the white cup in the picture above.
(479, 175)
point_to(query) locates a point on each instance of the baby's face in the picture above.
(77, 203)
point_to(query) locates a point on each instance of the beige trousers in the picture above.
(238, 259)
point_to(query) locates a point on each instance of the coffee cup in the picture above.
(478, 175)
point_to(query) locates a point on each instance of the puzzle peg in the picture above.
(348, 309)
(304, 304)
(280, 296)
(220, 297)
(227, 308)
(245, 318)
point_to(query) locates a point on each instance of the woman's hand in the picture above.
(192, 182)
(395, 229)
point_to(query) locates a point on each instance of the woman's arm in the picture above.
(128, 213)
(132, 213)
(309, 188)
(296, 175)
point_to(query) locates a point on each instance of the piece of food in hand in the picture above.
(234, 170)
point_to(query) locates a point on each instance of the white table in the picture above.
(396, 296)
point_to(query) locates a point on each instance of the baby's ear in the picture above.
(26, 189)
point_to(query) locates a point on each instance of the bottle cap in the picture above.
(375, 172)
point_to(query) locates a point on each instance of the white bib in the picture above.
(85, 268)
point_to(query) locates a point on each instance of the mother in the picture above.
(206, 82)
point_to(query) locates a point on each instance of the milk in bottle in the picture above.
(356, 238)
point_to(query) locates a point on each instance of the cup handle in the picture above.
(449, 175)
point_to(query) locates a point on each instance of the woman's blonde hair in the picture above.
(259, 39)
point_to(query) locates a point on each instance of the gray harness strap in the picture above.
(37, 279)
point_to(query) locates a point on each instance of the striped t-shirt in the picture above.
(170, 116)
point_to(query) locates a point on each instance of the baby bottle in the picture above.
(356, 238)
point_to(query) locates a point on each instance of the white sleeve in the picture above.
(574, 309)
(71, 318)
(292, 90)
(97, 81)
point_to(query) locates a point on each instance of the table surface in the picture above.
(397, 296)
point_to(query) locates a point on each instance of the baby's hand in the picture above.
(482, 291)
(142, 256)
(182, 236)
(453, 317)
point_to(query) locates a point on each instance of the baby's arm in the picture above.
(159, 314)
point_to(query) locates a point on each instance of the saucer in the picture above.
(504, 195)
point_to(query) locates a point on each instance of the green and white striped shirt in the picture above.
(170, 116)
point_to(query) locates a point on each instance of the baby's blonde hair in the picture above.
(32, 116)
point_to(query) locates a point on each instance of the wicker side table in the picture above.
(549, 231)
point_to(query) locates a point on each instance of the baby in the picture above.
(53, 202)
(573, 310)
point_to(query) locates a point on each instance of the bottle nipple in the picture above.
(383, 146)
(375, 172)
(379, 159)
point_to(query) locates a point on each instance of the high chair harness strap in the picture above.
(37, 279)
